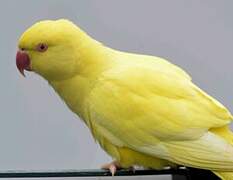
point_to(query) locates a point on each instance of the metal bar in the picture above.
(86, 173)
(186, 173)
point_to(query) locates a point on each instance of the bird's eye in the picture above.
(41, 47)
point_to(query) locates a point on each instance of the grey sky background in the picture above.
(37, 130)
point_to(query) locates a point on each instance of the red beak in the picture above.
(22, 61)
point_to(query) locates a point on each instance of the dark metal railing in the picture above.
(187, 173)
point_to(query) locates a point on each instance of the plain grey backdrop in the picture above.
(37, 130)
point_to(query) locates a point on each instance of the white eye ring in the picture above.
(41, 47)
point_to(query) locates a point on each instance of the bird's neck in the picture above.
(94, 58)
(73, 92)
(93, 61)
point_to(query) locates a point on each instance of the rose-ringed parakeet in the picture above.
(141, 109)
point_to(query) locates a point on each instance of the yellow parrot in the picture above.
(141, 109)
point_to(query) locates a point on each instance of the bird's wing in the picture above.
(161, 114)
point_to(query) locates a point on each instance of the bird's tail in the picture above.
(224, 175)
(227, 134)
(212, 151)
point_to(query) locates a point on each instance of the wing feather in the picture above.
(151, 110)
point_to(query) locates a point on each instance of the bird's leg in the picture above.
(112, 167)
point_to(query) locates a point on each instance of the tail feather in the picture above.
(208, 152)
(224, 175)
(227, 134)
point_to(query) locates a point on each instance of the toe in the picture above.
(112, 169)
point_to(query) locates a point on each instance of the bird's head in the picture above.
(48, 48)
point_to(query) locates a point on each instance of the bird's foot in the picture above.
(112, 167)
(132, 169)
